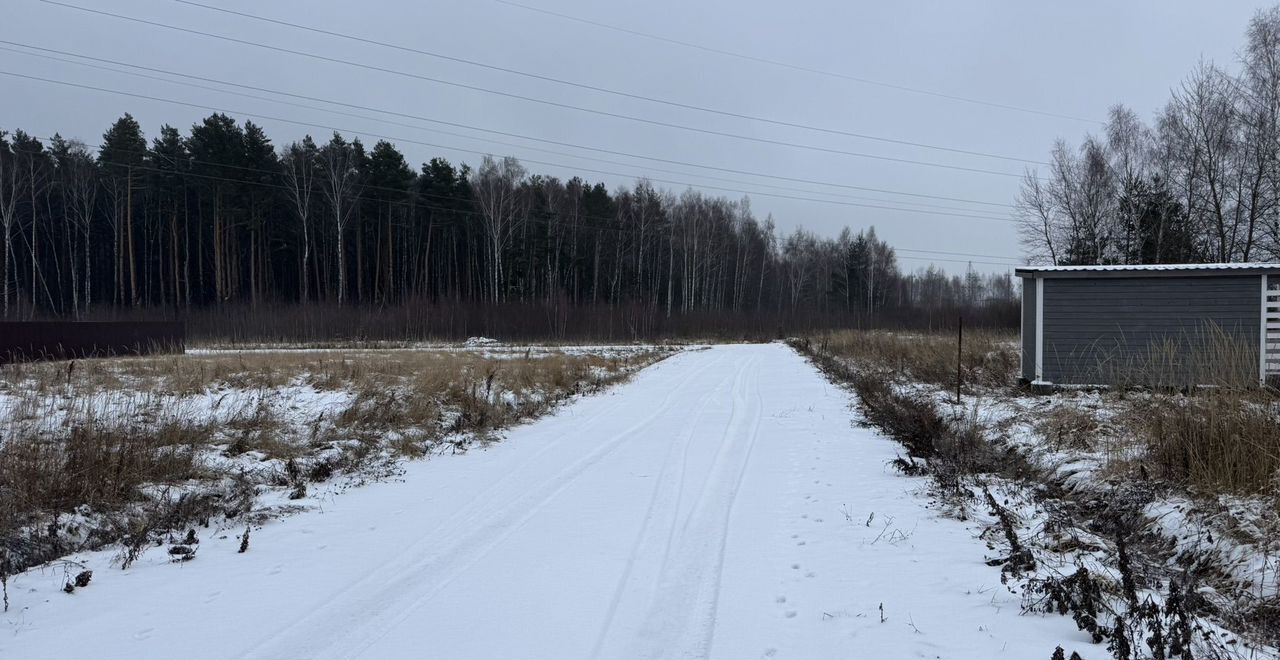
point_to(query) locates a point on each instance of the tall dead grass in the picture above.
(1205, 420)
(1219, 440)
(92, 463)
(96, 465)
(1207, 356)
(989, 358)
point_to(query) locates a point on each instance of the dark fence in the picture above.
(62, 340)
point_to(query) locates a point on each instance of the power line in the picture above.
(605, 90)
(961, 261)
(531, 99)
(471, 213)
(965, 254)
(470, 137)
(439, 146)
(798, 67)
(446, 132)
(486, 130)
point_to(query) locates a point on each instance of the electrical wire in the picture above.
(495, 132)
(604, 90)
(44, 55)
(798, 67)
(569, 106)
(439, 146)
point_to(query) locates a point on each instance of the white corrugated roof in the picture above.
(1149, 267)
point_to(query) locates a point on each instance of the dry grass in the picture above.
(1219, 440)
(1223, 438)
(1206, 356)
(950, 442)
(97, 437)
(989, 357)
(358, 370)
(1069, 427)
(1206, 424)
(96, 465)
(93, 464)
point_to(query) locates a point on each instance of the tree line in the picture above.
(221, 217)
(1200, 184)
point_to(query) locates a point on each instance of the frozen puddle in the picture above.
(721, 505)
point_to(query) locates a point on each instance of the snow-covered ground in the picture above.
(724, 504)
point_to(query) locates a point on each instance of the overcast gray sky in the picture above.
(1072, 59)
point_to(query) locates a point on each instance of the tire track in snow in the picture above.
(370, 602)
(659, 508)
(680, 619)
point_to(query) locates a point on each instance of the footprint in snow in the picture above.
(143, 634)
(791, 614)
(795, 567)
(780, 600)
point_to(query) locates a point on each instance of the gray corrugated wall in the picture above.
(1105, 330)
(1029, 328)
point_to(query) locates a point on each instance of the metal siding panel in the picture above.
(1029, 330)
(1099, 329)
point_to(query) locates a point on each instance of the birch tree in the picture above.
(497, 189)
(340, 163)
(10, 190)
(299, 165)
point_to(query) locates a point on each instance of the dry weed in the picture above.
(1220, 440)
(990, 358)
(1069, 427)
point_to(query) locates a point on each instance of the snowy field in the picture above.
(723, 504)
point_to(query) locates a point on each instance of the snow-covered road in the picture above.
(721, 505)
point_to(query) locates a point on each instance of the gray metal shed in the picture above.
(1099, 325)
